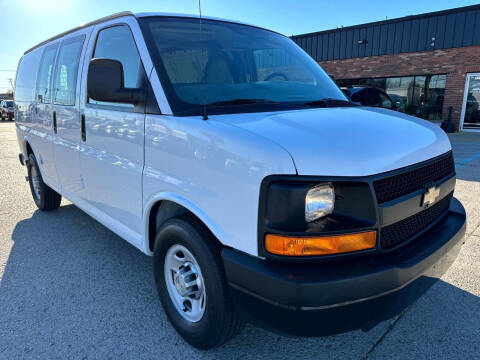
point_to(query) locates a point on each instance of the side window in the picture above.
(45, 74)
(359, 97)
(66, 71)
(386, 102)
(117, 43)
(372, 97)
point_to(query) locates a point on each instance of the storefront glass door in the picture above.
(471, 103)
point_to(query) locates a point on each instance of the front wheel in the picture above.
(191, 284)
(45, 197)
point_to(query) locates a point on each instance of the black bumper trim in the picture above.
(342, 284)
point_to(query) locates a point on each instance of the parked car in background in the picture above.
(6, 108)
(399, 102)
(369, 96)
(225, 152)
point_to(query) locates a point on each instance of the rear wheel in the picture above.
(192, 286)
(45, 197)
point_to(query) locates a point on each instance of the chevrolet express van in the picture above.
(225, 152)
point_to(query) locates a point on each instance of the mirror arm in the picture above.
(131, 95)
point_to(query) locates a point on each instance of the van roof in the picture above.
(136, 15)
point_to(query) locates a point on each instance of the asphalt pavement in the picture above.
(72, 289)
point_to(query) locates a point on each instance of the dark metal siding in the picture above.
(440, 30)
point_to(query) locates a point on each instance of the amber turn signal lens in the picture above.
(320, 245)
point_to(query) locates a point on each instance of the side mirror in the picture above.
(105, 83)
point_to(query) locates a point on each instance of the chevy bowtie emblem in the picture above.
(430, 196)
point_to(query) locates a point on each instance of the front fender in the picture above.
(183, 202)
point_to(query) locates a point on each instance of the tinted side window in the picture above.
(372, 97)
(45, 74)
(385, 101)
(117, 43)
(66, 71)
(26, 80)
(359, 97)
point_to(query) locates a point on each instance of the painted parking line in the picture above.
(467, 160)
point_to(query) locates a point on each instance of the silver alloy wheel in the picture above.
(35, 182)
(185, 284)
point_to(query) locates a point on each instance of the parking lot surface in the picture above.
(71, 289)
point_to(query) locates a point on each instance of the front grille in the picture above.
(395, 234)
(409, 181)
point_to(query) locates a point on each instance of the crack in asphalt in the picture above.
(472, 233)
(387, 331)
(400, 316)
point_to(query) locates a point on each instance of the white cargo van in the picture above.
(223, 150)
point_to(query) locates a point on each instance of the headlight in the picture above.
(319, 201)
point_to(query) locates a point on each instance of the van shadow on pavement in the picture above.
(73, 289)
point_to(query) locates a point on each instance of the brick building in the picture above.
(427, 63)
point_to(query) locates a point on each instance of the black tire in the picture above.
(47, 198)
(219, 323)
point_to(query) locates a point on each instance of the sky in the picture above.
(25, 23)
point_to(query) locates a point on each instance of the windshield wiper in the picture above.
(241, 102)
(330, 102)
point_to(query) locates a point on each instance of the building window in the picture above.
(420, 95)
(434, 94)
(400, 90)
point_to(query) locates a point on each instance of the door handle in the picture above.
(55, 122)
(82, 125)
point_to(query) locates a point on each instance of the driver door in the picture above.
(112, 147)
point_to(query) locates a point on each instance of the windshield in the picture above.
(232, 67)
(9, 103)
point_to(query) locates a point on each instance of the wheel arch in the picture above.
(28, 147)
(164, 206)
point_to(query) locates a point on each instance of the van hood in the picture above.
(349, 141)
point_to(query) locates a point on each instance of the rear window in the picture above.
(26, 79)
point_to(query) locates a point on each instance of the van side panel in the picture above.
(214, 170)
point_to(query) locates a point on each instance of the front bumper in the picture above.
(325, 298)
